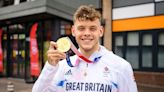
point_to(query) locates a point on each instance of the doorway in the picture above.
(17, 55)
(16, 51)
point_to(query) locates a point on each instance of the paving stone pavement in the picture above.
(19, 85)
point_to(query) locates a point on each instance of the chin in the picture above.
(87, 47)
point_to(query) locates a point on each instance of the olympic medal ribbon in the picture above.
(77, 60)
(69, 61)
(74, 49)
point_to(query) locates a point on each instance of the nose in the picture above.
(87, 32)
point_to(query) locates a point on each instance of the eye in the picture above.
(81, 28)
(93, 28)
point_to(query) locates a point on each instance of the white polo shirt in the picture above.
(109, 74)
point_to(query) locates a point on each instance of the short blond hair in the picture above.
(86, 12)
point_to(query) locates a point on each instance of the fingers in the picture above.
(54, 55)
(53, 45)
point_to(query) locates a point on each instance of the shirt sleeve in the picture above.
(45, 81)
(131, 81)
(127, 81)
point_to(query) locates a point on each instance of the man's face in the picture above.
(87, 34)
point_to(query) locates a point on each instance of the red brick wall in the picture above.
(150, 78)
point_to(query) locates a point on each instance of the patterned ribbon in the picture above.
(74, 49)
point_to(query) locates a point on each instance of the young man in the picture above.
(109, 73)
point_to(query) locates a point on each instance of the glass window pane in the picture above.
(161, 39)
(65, 28)
(147, 40)
(118, 51)
(119, 45)
(147, 57)
(119, 41)
(161, 50)
(22, 36)
(161, 57)
(132, 57)
(62, 31)
(133, 39)
(8, 2)
(48, 27)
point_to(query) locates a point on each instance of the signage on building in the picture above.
(34, 55)
(1, 52)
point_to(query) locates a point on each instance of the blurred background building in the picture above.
(138, 36)
(134, 30)
(17, 18)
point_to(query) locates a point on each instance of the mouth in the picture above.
(86, 40)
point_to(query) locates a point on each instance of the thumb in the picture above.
(53, 45)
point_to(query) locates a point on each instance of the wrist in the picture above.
(53, 63)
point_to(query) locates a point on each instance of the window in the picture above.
(8, 2)
(119, 45)
(1, 3)
(161, 50)
(144, 50)
(65, 28)
(147, 50)
(132, 55)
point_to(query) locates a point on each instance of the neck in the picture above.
(88, 53)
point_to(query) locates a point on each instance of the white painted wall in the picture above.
(134, 11)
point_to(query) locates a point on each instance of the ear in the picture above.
(101, 31)
(73, 31)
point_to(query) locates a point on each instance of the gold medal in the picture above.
(63, 44)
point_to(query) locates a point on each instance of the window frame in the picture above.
(155, 47)
(157, 44)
